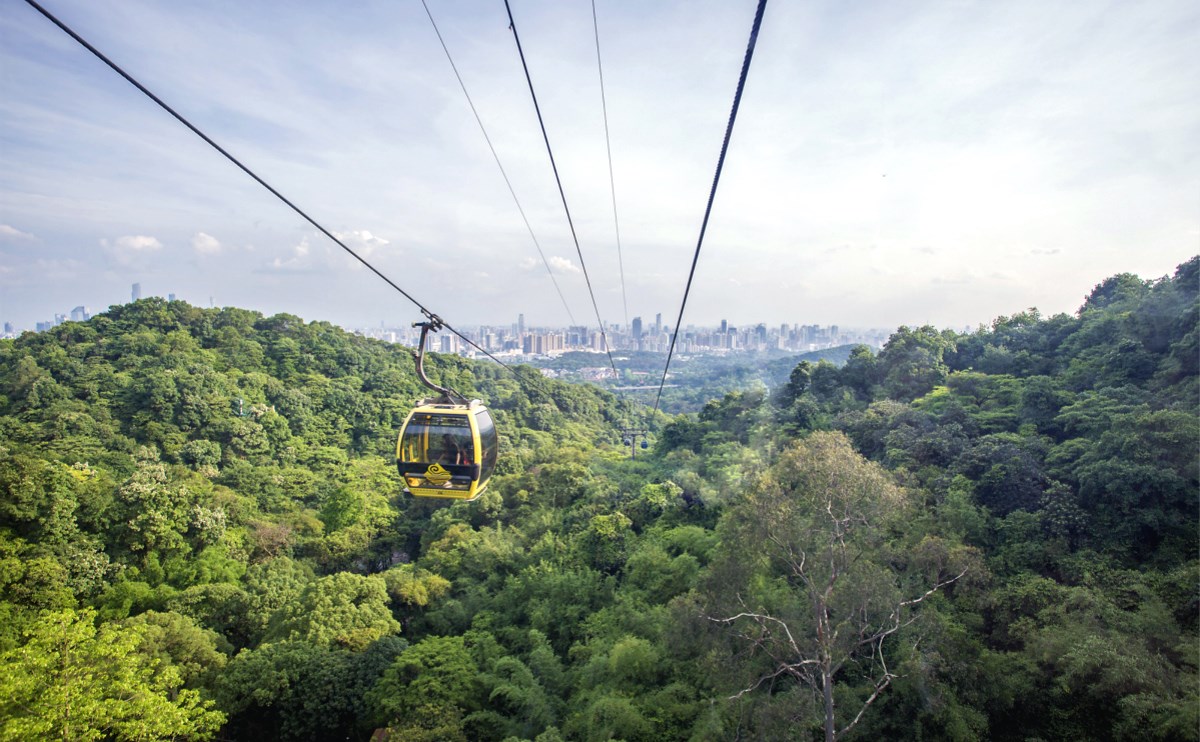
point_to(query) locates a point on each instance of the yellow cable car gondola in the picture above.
(448, 445)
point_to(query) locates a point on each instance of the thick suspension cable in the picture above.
(737, 100)
(612, 183)
(512, 25)
(178, 117)
(495, 156)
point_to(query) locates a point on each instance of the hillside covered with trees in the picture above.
(983, 536)
(693, 380)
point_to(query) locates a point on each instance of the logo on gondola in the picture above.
(437, 474)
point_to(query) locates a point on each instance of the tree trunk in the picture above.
(827, 682)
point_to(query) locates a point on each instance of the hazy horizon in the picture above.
(530, 321)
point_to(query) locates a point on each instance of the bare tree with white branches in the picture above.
(815, 529)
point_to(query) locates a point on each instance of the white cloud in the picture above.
(137, 243)
(129, 249)
(361, 241)
(12, 233)
(563, 265)
(206, 244)
(298, 262)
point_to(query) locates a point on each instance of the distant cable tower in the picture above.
(630, 436)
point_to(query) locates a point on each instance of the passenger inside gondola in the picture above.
(451, 452)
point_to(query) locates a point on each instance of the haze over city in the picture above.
(893, 163)
(523, 340)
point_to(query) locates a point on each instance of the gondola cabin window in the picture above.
(489, 442)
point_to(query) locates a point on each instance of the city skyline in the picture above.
(520, 339)
(528, 338)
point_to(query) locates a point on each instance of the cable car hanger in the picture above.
(449, 395)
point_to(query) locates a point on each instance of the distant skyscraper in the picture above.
(170, 297)
(520, 325)
(80, 314)
(724, 327)
(8, 328)
(137, 291)
(637, 327)
(658, 323)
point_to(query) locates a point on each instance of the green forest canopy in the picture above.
(981, 536)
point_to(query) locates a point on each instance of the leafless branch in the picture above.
(805, 670)
(880, 686)
(894, 622)
(793, 669)
(933, 589)
(761, 618)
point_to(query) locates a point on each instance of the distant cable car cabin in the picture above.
(448, 446)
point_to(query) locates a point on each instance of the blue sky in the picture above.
(894, 163)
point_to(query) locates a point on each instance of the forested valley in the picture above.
(965, 536)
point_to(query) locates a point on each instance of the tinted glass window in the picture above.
(429, 438)
(487, 439)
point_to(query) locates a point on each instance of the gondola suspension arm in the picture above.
(434, 324)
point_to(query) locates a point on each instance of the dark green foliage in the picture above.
(912, 362)
(435, 678)
(221, 479)
(299, 691)
(1066, 448)
(213, 491)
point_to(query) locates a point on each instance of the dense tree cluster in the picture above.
(1056, 459)
(990, 535)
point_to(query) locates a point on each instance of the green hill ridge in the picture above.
(981, 536)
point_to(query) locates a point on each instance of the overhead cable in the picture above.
(612, 183)
(248, 171)
(737, 100)
(512, 25)
(507, 182)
